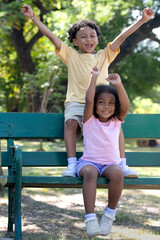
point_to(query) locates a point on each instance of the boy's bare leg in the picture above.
(128, 172)
(70, 130)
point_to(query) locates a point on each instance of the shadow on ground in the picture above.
(44, 220)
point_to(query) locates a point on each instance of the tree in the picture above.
(30, 59)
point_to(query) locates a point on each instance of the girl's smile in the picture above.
(105, 106)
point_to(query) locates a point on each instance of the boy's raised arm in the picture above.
(146, 15)
(28, 12)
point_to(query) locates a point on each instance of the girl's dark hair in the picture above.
(102, 88)
(78, 25)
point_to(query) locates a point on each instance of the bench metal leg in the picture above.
(11, 207)
(11, 190)
(18, 185)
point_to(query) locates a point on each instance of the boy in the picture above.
(84, 36)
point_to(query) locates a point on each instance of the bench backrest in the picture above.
(51, 126)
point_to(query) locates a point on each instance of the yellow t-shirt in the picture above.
(79, 69)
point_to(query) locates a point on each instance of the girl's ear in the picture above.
(75, 42)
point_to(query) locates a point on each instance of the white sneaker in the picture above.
(128, 172)
(92, 227)
(70, 171)
(106, 223)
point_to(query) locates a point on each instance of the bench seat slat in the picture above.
(66, 182)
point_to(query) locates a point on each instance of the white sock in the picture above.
(110, 211)
(123, 161)
(89, 215)
(72, 160)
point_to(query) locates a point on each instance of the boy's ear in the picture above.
(75, 42)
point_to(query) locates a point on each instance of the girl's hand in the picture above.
(95, 71)
(27, 11)
(114, 79)
(147, 14)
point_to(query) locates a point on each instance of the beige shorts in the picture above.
(74, 110)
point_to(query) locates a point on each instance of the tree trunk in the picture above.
(27, 65)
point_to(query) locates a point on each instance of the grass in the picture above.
(58, 214)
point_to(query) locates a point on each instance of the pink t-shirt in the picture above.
(101, 141)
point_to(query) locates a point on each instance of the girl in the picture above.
(105, 109)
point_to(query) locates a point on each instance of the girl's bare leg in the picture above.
(89, 174)
(115, 176)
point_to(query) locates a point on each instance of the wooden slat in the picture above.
(144, 159)
(29, 125)
(49, 159)
(66, 182)
(142, 126)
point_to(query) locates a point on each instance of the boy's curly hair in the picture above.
(102, 88)
(78, 25)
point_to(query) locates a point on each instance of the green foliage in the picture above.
(139, 71)
(142, 105)
(11, 80)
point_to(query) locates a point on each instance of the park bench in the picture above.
(49, 126)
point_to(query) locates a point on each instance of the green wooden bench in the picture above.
(19, 126)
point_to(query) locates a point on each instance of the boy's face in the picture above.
(86, 40)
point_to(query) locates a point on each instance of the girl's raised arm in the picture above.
(115, 80)
(89, 103)
(28, 12)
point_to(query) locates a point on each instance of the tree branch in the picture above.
(154, 38)
(144, 32)
(43, 11)
(35, 38)
(40, 6)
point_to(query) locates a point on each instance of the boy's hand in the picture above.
(147, 14)
(27, 11)
(95, 71)
(114, 79)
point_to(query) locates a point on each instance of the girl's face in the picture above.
(86, 40)
(105, 106)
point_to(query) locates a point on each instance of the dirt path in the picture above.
(49, 214)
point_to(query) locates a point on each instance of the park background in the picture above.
(33, 79)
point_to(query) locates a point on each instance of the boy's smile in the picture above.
(86, 40)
